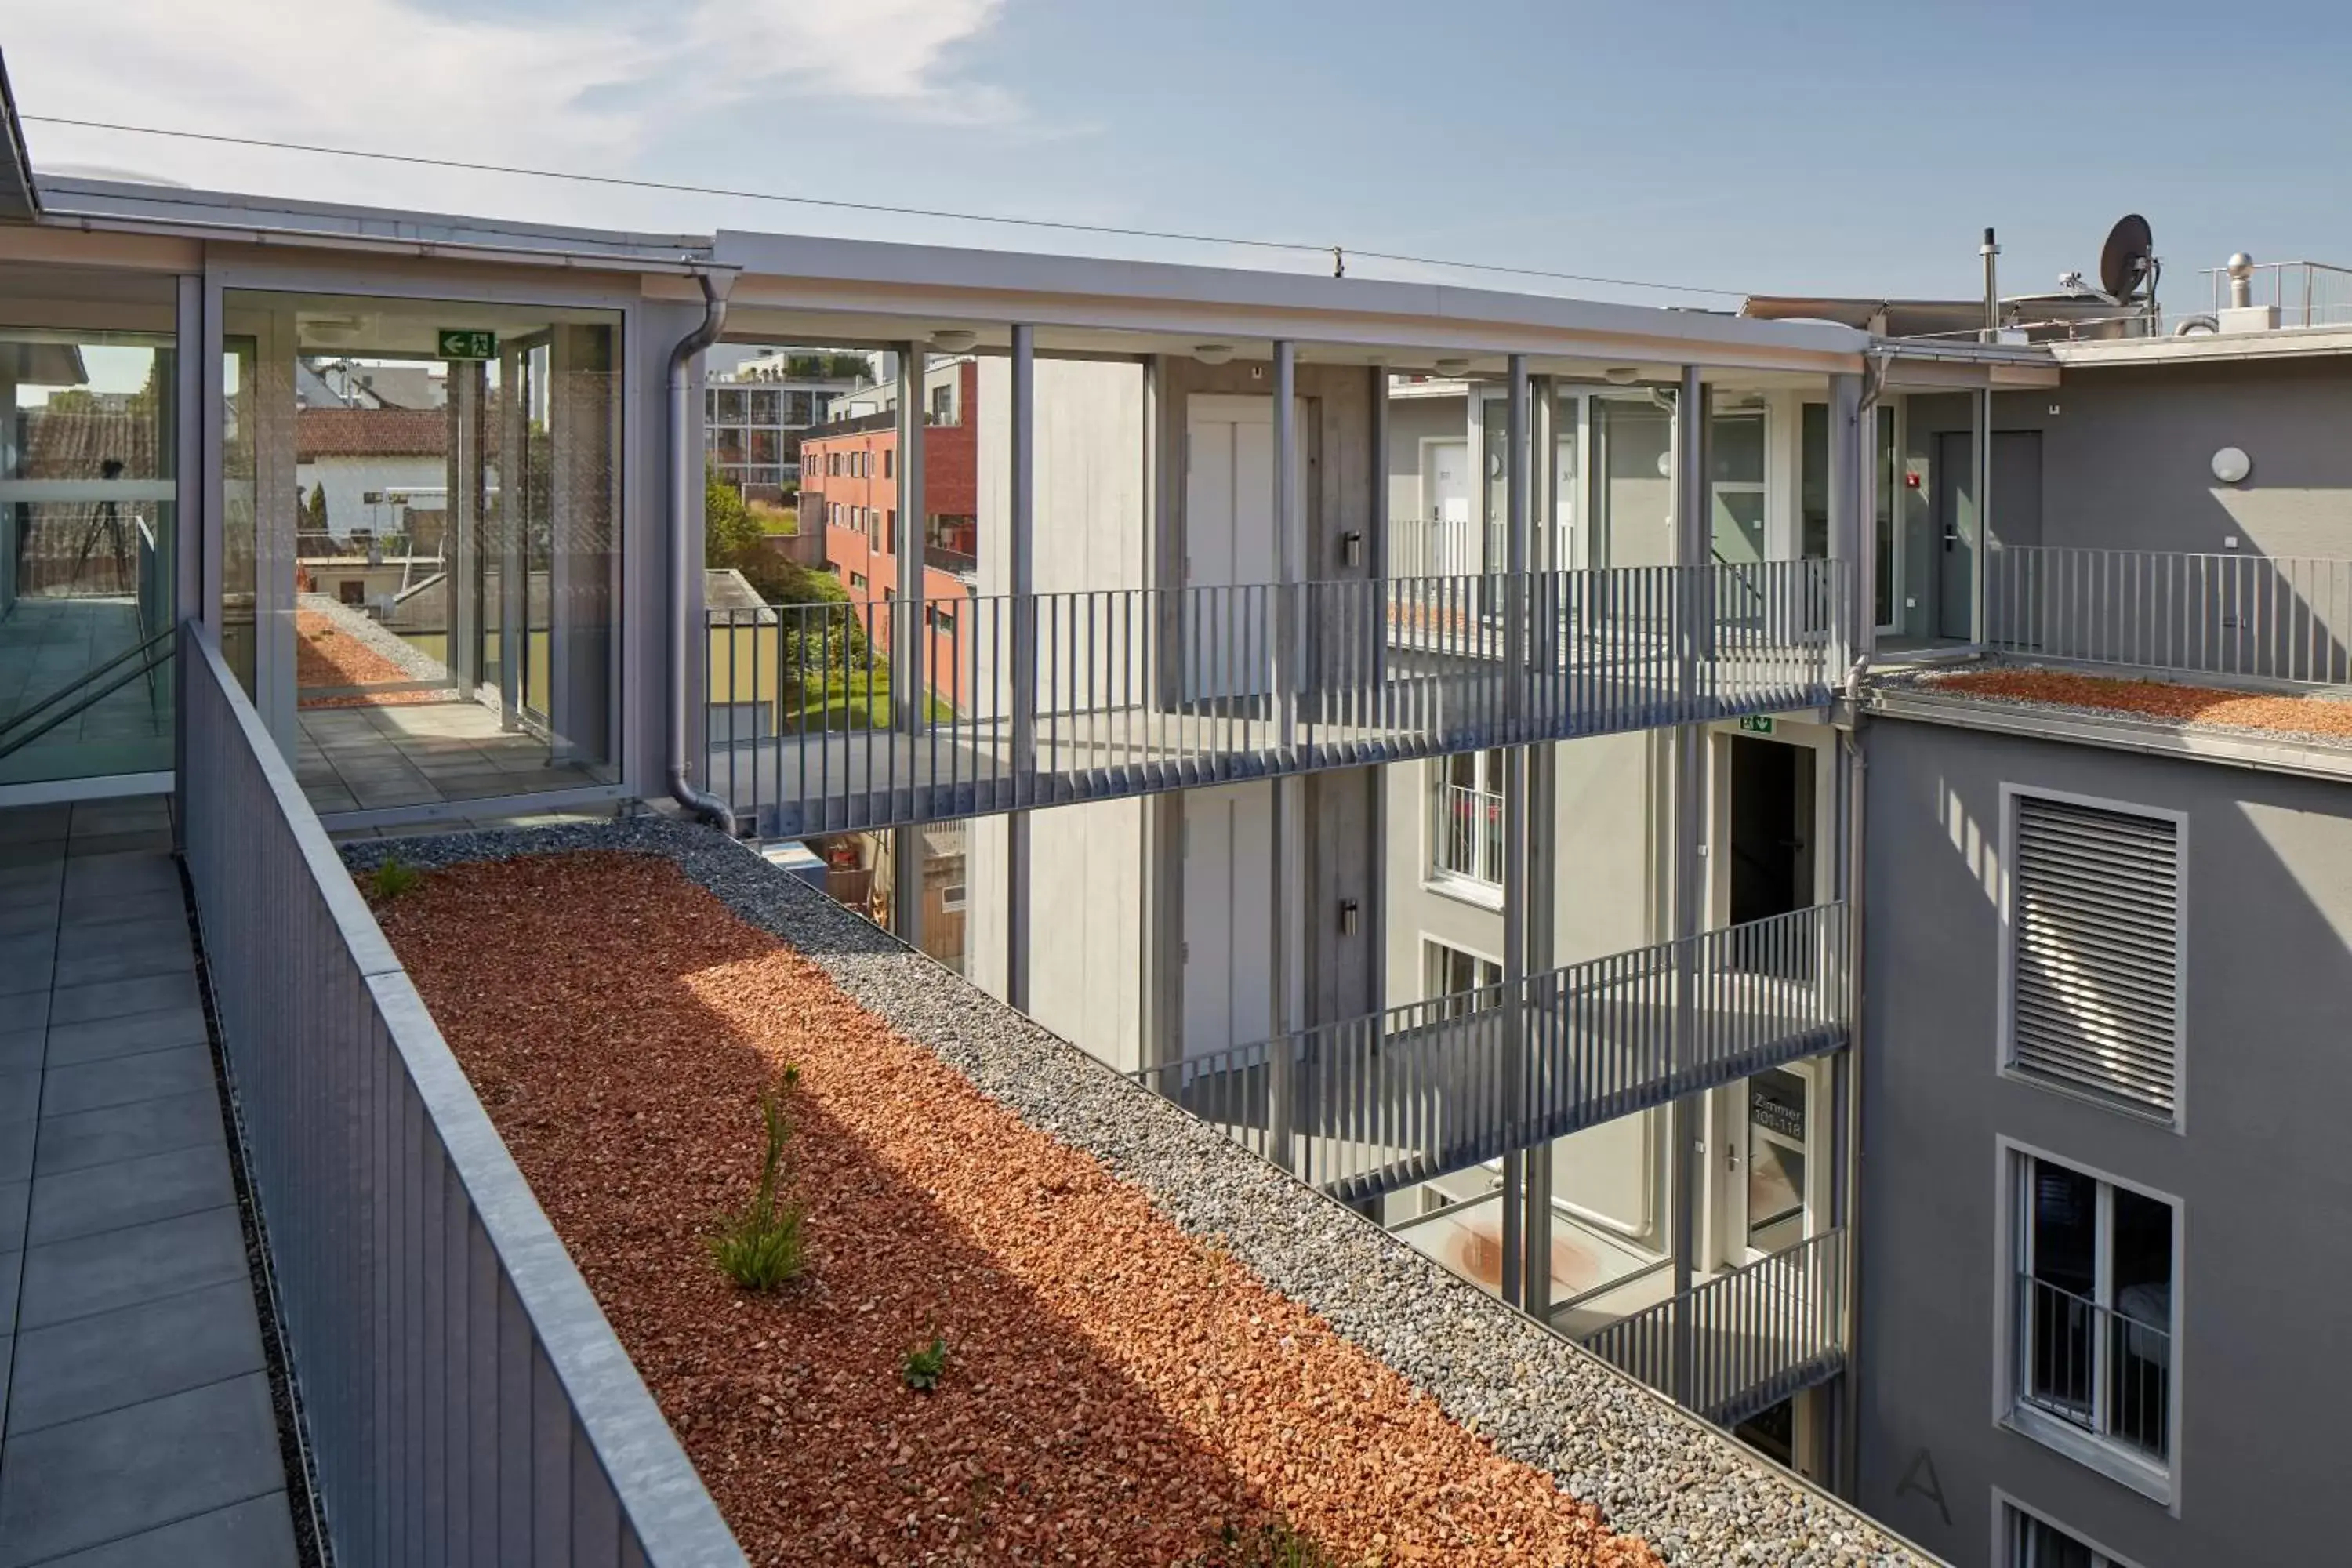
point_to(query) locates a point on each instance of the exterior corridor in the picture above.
(138, 1423)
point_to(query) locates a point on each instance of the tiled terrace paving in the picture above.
(138, 1424)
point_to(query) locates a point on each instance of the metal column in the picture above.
(1693, 554)
(1846, 444)
(909, 636)
(1533, 803)
(1020, 560)
(1980, 561)
(1515, 821)
(1287, 898)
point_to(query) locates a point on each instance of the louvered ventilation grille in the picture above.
(2096, 916)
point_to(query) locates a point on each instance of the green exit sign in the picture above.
(463, 343)
(1756, 723)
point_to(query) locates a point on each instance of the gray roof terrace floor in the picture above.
(136, 1425)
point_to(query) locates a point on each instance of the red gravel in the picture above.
(326, 655)
(1116, 1392)
(2158, 699)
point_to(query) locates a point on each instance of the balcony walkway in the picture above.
(1372, 1105)
(1129, 693)
(138, 1423)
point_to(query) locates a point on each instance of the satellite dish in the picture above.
(2127, 261)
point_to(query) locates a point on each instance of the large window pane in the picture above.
(434, 494)
(87, 544)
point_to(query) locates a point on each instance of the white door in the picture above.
(1231, 558)
(1446, 489)
(1228, 846)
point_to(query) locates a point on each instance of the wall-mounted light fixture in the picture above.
(2231, 465)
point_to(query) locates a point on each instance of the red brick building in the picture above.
(849, 482)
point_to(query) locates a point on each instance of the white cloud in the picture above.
(567, 89)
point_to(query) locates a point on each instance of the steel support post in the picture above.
(1846, 467)
(1694, 554)
(1287, 665)
(1286, 900)
(1980, 565)
(910, 639)
(1020, 560)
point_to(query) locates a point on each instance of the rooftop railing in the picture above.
(2268, 618)
(1370, 1105)
(464, 1399)
(1744, 1341)
(1055, 698)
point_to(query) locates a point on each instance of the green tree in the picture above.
(318, 508)
(730, 534)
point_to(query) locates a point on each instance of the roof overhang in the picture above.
(797, 288)
(20, 194)
(2207, 348)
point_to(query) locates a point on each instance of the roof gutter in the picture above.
(686, 543)
(20, 195)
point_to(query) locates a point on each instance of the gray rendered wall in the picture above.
(2127, 459)
(2259, 1170)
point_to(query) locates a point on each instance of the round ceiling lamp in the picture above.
(1213, 353)
(2231, 465)
(954, 340)
(1452, 366)
(1620, 375)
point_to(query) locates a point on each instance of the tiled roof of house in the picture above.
(370, 433)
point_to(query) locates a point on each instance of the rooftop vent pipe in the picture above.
(686, 547)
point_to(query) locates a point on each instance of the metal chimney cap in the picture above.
(2242, 266)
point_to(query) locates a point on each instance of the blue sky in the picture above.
(1822, 147)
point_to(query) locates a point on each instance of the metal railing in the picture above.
(1373, 1104)
(2259, 616)
(465, 1399)
(1467, 832)
(1755, 1334)
(2095, 1367)
(957, 562)
(2305, 293)
(1053, 698)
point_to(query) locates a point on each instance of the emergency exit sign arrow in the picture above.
(1756, 723)
(463, 343)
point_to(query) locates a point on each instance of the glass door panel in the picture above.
(88, 546)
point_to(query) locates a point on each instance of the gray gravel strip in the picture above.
(360, 626)
(1696, 1495)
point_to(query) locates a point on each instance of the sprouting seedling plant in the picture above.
(760, 1246)
(392, 877)
(920, 1368)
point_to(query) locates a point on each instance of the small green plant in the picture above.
(1274, 1545)
(392, 877)
(760, 1247)
(922, 1367)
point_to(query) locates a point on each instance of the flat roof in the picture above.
(797, 286)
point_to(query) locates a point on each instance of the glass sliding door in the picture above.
(435, 497)
(89, 543)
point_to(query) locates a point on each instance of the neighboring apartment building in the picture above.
(849, 490)
(756, 414)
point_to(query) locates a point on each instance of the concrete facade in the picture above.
(2253, 1166)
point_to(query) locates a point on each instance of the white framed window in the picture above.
(1465, 819)
(2092, 1276)
(2024, 1537)
(1465, 980)
(2093, 967)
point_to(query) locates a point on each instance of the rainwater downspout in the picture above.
(686, 545)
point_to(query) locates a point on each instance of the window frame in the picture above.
(2004, 1017)
(1462, 885)
(2159, 1481)
(2010, 1515)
